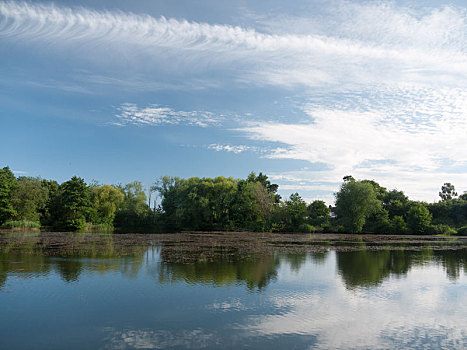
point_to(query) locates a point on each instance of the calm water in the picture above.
(103, 294)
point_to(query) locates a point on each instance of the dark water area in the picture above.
(244, 290)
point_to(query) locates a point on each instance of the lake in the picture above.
(231, 290)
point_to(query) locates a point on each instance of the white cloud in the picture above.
(229, 148)
(372, 45)
(131, 114)
(412, 137)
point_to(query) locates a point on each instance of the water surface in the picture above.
(78, 291)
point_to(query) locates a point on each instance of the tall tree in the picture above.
(448, 192)
(107, 199)
(355, 201)
(76, 203)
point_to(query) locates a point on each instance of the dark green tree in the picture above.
(448, 192)
(318, 213)
(419, 218)
(75, 204)
(7, 186)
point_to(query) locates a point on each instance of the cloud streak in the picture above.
(278, 59)
(154, 115)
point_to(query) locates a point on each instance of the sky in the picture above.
(304, 91)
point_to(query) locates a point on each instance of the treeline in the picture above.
(221, 203)
(29, 202)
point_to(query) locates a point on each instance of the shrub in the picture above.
(306, 228)
(75, 224)
(442, 230)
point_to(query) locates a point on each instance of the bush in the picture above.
(21, 224)
(75, 224)
(307, 228)
(442, 230)
(462, 231)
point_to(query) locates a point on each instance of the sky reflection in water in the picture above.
(140, 299)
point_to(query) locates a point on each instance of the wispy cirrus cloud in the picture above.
(153, 115)
(371, 53)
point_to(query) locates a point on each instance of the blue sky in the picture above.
(306, 92)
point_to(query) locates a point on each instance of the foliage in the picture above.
(356, 201)
(134, 215)
(291, 215)
(442, 230)
(24, 224)
(222, 203)
(106, 200)
(448, 192)
(396, 203)
(452, 212)
(419, 218)
(318, 213)
(7, 185)
(398, 225)
(29, 198)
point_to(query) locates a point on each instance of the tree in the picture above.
(398, 225)
(419, 218)
(295, 210)
(76, 204)
(355, 201)
(318, 212)
(448, 192)
(263, 179)
(396, 203)
(7, 185)
(134, 213)
(348, 178)
(107, 199)
(29, 198)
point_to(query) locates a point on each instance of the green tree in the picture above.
(398, 225)
(29, 198)
(419, 218)
(448, 192)
(52, 205)
(263, 180)
(106, 200)
(76, 204)
(355, 201)
(134, 214)
(318, 213)
(396, 203)
(7, 185)
(295, 211)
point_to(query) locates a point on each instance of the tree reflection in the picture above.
(255, 272)
(31, 255)
(453, 261)
(366, 268)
